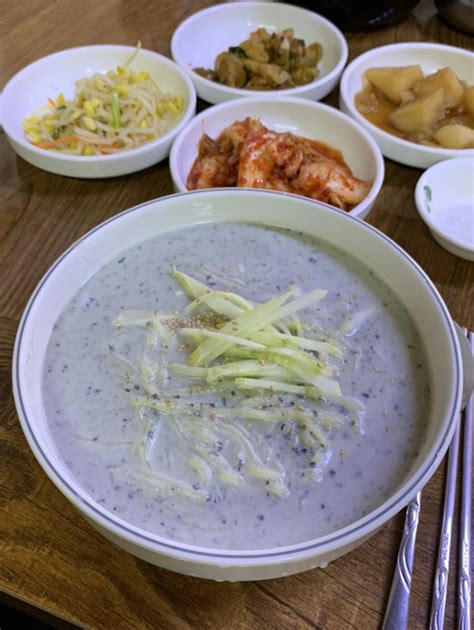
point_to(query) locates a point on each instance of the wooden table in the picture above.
(50, 558)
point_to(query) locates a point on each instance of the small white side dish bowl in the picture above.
(30, 88)
(444, 197)
(431, 57)
(201, 37)
(299, 116)
(377, 252)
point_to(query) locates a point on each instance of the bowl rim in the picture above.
(240, 92)
(353, 67)
(449, 165)
(8, 92)
(232, 558)
(201, 117)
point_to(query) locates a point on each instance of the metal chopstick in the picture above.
(396, 615)
(464, 572)
(440, 583)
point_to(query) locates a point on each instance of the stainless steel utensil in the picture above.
(440, 584)
(464, 571)
(440, 581)
(396, 615)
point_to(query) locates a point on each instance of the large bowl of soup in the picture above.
(158, 380)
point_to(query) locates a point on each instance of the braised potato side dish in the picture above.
(434, 110)
(266, 61)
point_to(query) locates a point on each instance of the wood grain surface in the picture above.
(49, 556)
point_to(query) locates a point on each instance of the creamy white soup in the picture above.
(196, 450)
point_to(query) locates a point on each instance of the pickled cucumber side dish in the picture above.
(266, 61)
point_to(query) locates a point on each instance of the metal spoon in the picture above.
(396, 614)
(464, 545)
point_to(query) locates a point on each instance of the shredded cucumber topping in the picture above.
(199, 334)
(222, 302)
(244, 324)
(244, 365)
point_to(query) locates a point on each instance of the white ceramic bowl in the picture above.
(201, 37)
(300, 116)
(29, 90)
(374, 249)
(430, 57)
(444, 197)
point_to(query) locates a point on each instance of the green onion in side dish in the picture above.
(115, 110)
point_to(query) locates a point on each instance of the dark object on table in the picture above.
(360, 15)
(458, 13)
